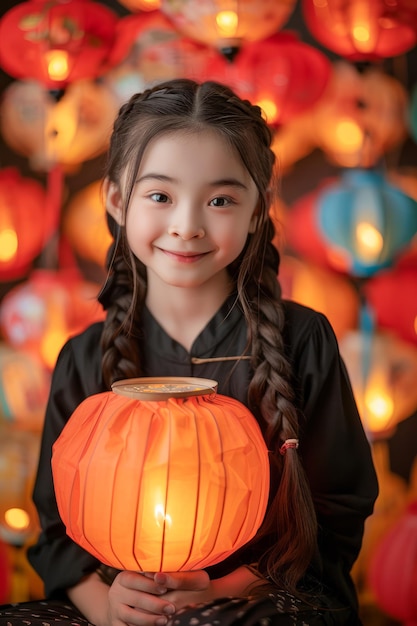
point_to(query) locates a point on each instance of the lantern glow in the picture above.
(180, 488)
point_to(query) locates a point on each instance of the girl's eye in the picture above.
(159, 197)
(221, 201)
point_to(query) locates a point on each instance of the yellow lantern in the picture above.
(161, 474)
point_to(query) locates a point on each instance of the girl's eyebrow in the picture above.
(222, 182)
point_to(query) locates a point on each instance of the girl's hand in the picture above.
(138, 600)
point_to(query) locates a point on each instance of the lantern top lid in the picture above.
(164, 387)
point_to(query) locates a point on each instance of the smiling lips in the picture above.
(184, 257)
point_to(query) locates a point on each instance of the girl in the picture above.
(192, 290)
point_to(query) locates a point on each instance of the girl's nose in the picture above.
(186, 233)
(186, 225)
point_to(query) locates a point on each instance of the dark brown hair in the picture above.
(184, 105)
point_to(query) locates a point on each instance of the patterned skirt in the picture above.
(277, 609)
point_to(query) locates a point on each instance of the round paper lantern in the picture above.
(163, 475)
(38, 316)
(393, 296)
(85, 224)
(26, 223)
(281, 74)
(19, 452)
(322, 290)
(148, 50)
(55, 41)
(393, 569)
(24, 389)
(366, 220)
(217, 23)
(359, 30)
(68, 132)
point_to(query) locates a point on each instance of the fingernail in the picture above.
(161, 590)
(169, 609)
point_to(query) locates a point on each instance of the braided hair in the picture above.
(184, 105)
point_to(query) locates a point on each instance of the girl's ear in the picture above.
(113, 201)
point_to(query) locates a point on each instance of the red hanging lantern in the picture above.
(281, 74)
(226, 25)
(393, 569)
(362, 31)
(168, 476)
(55, 41)
(26, 223)
(393, 296)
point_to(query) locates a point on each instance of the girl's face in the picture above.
(191, 210)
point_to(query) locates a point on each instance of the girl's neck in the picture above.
(183, 312)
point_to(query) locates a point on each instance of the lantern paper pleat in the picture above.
(145, 470)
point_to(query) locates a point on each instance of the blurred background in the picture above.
(337, 81)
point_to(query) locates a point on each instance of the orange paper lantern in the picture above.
(226, 25)
(167, 481)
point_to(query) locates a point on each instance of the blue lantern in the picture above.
(366, 221)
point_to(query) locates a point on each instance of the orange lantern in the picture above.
(358, 30)
(85, 224)
(141, 5)
(55, 41)
(224, 25)
(167, 475)
(67, 132)
(322, 290)
(26, 223)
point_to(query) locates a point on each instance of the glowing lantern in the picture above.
(25, 223)
(393, 569)
(281, 74)
(302, 232)
(366, 221)
(85, 224)
(168, 476)
(147, 50)
(55, 41)
(360, 30)
(360, 117)
(19, 452)
(226, 25)
(24, 388)
(67, 132)
(393, 296)
(368, 359)
(39, 315)
(322, 290)
(141, 5)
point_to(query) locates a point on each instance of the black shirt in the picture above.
(333, 446)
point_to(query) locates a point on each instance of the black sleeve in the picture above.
(334, 449)
(59, 561)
